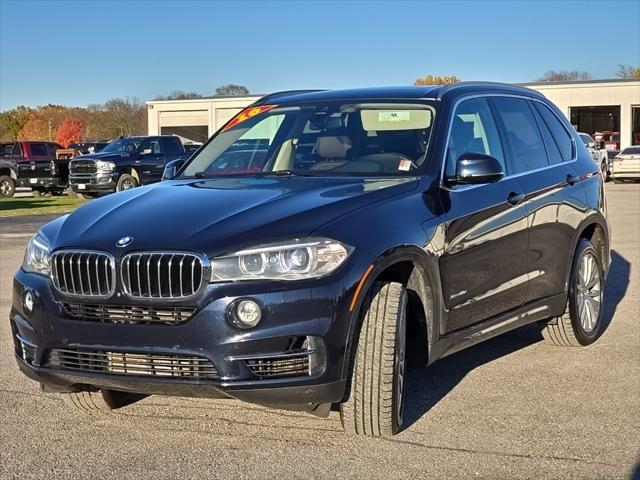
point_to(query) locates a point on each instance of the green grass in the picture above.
(13, 207)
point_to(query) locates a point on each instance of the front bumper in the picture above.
(96, 183)
(317, 309)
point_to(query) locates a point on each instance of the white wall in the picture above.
(591, 94)
(212, 112)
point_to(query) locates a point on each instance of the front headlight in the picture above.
(37, 258)
(295, 260)
(105, 167)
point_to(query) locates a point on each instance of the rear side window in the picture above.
(473, 130)
(553, 151)
(559, 132)
(38, 150)
(523, 135)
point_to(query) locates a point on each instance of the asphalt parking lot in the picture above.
(513, 407)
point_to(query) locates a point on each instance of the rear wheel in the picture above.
(100, 401)
(7, 186)
(375, 403)
(581, 323)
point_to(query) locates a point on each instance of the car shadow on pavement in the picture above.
(426, 387)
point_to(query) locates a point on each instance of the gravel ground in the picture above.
(513, 407)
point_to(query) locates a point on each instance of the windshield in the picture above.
(319, 139)
(122, 145)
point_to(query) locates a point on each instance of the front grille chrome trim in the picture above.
(68, 267)
(182, 274)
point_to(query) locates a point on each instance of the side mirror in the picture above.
(591, 145)
(476, 168)
(146, 151)
(171, 169)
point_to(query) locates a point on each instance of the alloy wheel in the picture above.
(5, 188)
(589, 292)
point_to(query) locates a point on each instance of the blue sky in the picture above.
(77, 53)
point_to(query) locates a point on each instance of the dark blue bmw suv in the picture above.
(316, 245)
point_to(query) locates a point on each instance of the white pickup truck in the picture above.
(599, 155)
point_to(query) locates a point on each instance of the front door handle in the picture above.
(572, 179)
(515, 198)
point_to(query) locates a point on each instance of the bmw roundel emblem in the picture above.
(124, 241)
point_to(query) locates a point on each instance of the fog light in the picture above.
(27, 302)
(246, 313)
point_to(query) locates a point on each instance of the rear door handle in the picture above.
(515, 198)
(572, 179)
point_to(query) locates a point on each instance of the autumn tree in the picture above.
(69, 131)
(628, 72)
(437, 80)
(231, 89)
(564, 76)
(12, 121)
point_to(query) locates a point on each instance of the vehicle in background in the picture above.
(32, 164)
(608, 140)
(626, 165)
(125, 163)
(89, 147)
(599, 155)
(191, 148)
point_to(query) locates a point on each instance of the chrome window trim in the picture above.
(506, 177)
(206, 274)
(63, 251)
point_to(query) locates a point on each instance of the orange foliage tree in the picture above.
(69, 131)
(437, 80)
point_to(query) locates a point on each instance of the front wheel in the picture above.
(126, 182)
(7, 186)
(581, 324)
(604, 168)
(375, 403)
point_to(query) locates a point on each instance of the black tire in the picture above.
(604, 168)
(568, 329)
(375, 403)
(100, 401)
(7, 186)
(126, 182)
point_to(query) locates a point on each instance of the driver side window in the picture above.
(473, 130)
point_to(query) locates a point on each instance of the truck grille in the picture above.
(133, 363)
(128, 313)
(274, 367)
(162, 275)
(82, 167)
(90, 274)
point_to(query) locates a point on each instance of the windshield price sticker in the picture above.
(404, 165)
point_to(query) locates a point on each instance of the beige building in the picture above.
(194, 120)
(591, 106)
(598, 105)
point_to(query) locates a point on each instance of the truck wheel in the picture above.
(100, 401)
(126, 182)
(7, 186)
(375, 403)
(581, 322)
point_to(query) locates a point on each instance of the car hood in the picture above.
(214, 216)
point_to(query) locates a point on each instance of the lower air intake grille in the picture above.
(128, 313)
(292, 366)
(133, 364)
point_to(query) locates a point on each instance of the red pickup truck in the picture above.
(32, 164)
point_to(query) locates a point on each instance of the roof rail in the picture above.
(271, 96)
(452, 86)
